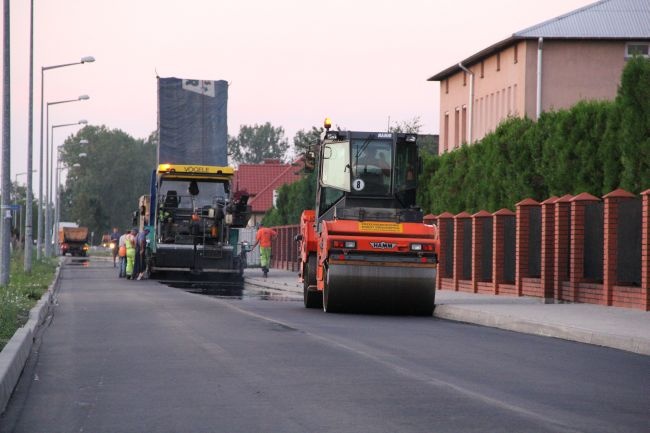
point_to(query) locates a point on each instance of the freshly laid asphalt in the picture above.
(618, 328)
(134, 356)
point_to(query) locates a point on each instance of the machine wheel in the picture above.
(311, 298)
(330, 304)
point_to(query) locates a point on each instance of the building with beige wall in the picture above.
(549, 66)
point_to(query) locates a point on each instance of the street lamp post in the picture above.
(40, 234)
(48, 224)
(48, 174)
(5, 229)
(27, 263)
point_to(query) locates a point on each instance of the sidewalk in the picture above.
(619, 328)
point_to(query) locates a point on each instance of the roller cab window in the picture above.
(371, 167)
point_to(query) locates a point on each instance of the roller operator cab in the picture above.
(194, 222)
(366, 247)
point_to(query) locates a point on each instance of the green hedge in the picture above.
(595, 147)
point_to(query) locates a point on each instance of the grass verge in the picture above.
(22, 292)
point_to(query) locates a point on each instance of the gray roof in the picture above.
(605, 19)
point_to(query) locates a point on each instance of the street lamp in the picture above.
(40, 234)
(48, 222)
(27, 262)
(49, 150)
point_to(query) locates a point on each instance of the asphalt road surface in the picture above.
(138, 356)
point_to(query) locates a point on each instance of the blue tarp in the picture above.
(192, 121)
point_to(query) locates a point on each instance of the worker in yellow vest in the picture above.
(130, 253)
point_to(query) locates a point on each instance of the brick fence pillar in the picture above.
(478, 219)
(610, 236)
(577, 258)
(548, 249)
(522, 247)
(645, 248)
(430, 219)
(444, 220)
(561, 244)
(498, 247)
(459, 237)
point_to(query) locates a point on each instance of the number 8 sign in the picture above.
(358, 184)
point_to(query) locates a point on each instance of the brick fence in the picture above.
(286, 252)
(572, 248)
(564, 249)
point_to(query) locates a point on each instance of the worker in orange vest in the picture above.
(264, 237)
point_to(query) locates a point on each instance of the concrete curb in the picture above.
(14, 355)
(505, 321)
(510, 323)
(259, 282)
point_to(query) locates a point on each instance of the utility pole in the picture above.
(27, 264)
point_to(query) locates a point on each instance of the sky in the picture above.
(363, 63)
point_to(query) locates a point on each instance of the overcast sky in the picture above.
(289, 62)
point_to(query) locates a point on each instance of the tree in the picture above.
(633, 101)
(256, 143)
(412, 126)
(303, 139)
(102, 192)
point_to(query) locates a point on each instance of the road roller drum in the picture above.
(354, 287)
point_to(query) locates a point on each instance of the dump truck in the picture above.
(192, 211)
(365, 246)
(73, 241)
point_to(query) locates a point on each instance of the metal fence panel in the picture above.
(567, 263)
(628, 254)
(486, 252)
(467, 249)
(535, 242)
(509, 248)
(248, 235)
(593, 242)
(449, 249)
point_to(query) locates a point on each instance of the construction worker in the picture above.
(130, 253)
(121, 252)
(264, 237)
(115, 240)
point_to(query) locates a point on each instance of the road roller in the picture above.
(365, 247)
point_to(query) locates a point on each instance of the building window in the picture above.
(482, 70)
(456, 127)
(477, 115)
(446, 131)
(463, 136)
(509, 100)
(447, 85)
(516, 54)
(498, 62)
(637, 49)
(497, 108)
(464, 78)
